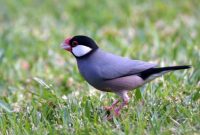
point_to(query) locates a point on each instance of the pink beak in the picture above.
(66, 44)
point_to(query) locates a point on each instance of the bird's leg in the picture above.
(125, 98)
(108, 108)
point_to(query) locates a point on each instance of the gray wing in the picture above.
(112, 67)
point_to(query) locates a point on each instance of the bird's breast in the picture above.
(89, 73)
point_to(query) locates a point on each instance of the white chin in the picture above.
(81, 50)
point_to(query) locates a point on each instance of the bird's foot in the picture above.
(118, 109)
(108, 108)
(117, 112)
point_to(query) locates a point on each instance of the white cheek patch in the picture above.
(81, 50)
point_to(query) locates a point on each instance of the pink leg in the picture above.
(117, 110)
(112, 106)
(125, 98)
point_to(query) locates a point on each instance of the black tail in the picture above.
(147, 73)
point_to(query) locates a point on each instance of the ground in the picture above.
(42, 91)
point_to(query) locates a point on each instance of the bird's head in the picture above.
(79, 45)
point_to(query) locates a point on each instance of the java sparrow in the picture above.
(111, 73)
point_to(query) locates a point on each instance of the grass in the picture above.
(42, 91)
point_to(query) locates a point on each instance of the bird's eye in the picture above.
(74, 43)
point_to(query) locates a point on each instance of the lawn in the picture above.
(42, 91)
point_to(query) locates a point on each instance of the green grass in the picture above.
(42, 91)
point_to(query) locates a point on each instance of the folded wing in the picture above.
(113, 67)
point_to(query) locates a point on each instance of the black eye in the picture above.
(74, 43)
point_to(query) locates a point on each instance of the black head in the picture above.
(80, 45)
(84, 40)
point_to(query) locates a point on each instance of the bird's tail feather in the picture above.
(173, 68)
(156, 72)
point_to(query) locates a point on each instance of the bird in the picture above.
(112, 73)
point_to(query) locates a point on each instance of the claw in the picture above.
(110, 117)
(124, 103)
(125, 98)
(117, 112)
(108, 108)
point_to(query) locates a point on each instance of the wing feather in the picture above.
(113, 66)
